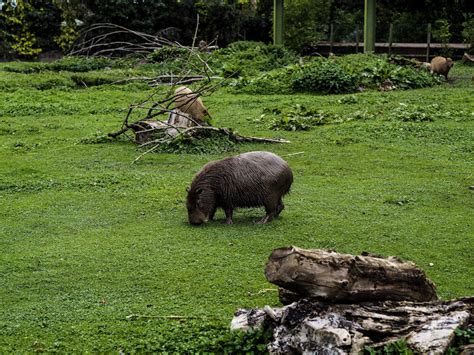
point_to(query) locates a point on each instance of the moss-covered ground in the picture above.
(88, 239)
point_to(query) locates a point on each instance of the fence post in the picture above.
(369, 26)
(331, 37)
(428, 43)
(357, 39)
(390, 39)
(278, 9)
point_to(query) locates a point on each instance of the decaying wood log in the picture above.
(334, 277)
(466, 58)
(322, 328)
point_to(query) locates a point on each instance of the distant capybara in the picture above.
(441, 66)
(251, 179)
(188, 102)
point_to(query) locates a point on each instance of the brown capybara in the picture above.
(188, 102)
(251, 179)
(441, 66)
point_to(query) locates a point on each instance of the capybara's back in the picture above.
(188, 102)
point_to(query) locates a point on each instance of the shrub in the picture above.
(372, 70)
(324, 76)
(168, 52)
(72, 64)
(297, 118)
(276, 81)
(213, 144)
(252, 57)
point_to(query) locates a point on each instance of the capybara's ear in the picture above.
(187, 188)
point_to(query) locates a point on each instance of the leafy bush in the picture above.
(202, 145)
(99, 78)
(72, 64)
(410, 78)
(276, 81)
(56, 82)
(462, 337)
(168, 52)
(372, 70)
(252, 342)
(415, 113)
(252, 57)
(324, 76)
(297, 118)
(399, 347)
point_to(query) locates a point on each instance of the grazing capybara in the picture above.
(188, 102)
(441, 66)
(251, 179)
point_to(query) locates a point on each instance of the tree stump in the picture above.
(322, 328)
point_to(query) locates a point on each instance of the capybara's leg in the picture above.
(228, 215)
(211, 215)
(271, 211)
(280, 207)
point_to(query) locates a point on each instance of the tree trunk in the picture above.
(334, 277)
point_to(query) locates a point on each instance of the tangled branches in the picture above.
(180, 115)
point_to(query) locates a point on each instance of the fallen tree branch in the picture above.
(335, 277)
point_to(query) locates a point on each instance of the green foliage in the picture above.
(297, 118)
(277, 81)
(81, 227)
(305, 23)
(69, 34)
(461, 337)
(398, 347)
(339, 75)
(468, 33)
(238, 342)
(166, 53)
(372, 70)
(419, 113)
(442, 33)
(23, 40)
(72, 64)
(251, 58)
(323, 76)
(97, 78)
(212, 144)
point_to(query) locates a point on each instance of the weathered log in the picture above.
(323, 328)
(466, 58)
(335, 277)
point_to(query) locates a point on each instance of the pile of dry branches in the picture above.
(160, 120)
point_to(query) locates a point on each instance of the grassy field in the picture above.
(88, 239)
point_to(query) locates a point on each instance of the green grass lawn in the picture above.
(87, 238)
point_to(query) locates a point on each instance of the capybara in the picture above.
(188, 102)
(441, 66)
(251, 179)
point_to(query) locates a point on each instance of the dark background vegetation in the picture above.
(40, 26)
